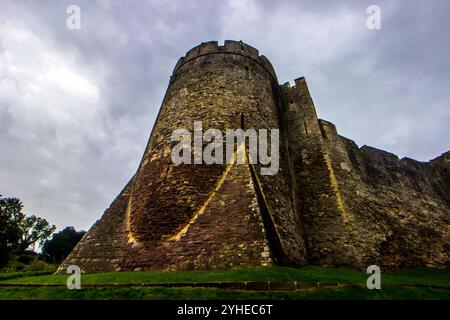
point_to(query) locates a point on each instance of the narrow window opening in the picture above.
(306, 128)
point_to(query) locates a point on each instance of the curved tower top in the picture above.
(229, 47)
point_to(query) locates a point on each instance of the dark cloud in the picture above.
(77, 106)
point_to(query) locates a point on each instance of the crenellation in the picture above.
(229, 47)
(300, 82)
(207, 47)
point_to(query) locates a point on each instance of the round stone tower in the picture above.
(220, 86)
(197, 216)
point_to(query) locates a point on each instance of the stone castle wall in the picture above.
(363, 206)
(331, 203)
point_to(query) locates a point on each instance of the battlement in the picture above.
(298, 93)
(299, 84)
(229, 47)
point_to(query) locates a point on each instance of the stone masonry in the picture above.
(331, 203)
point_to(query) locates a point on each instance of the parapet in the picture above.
(299, 84)
(378, 154)
(298, 93)
(230, 46)
(328, 129)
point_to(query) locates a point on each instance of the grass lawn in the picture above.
(335, 283)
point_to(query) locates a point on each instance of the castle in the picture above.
(331, 202)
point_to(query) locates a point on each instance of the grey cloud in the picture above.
(72, 148)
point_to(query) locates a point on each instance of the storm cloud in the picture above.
(77, 106)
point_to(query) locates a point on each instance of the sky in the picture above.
(77, 105)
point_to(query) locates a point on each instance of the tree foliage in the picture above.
(19, 232)
(61, 244)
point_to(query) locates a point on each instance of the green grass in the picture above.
(22, 274)
(307, 275)
(347, 293)
(407, 284)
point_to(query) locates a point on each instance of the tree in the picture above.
(61, 244)
(19, 232)
(10, 212)
(34, 230)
